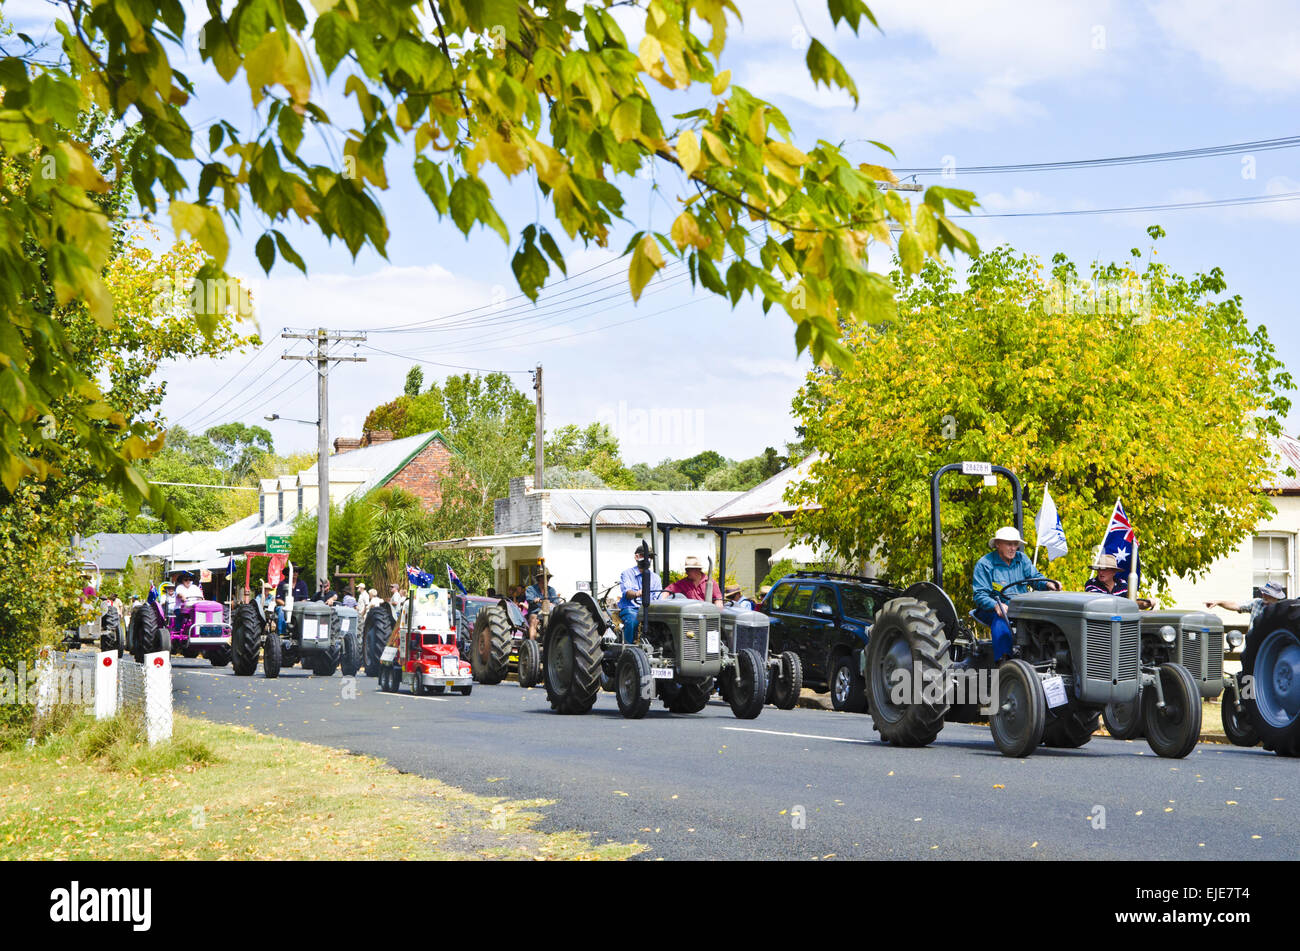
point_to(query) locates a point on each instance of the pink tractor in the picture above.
(200, 627)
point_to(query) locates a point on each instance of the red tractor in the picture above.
(422, 651)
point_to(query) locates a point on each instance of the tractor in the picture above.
(1270, 678)
(422, 652)
(321, 637)
(200, 627)
(500, 642)
(678, 652)
(1074, 653)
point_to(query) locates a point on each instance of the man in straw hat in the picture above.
(540, 596)
(1001, 568)
(695, 585)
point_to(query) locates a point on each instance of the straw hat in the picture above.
(1007, 534)
(693, 562)
(1104, 561)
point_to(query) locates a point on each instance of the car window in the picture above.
(798, 602)
(858, 604)
(823, 601)
(777, 598)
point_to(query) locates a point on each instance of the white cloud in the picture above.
(1254, 44)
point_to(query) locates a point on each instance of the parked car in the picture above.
(826, 618)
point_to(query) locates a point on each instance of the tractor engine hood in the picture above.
(1071, 605)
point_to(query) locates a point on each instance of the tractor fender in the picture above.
(597, 612)
(937, 600)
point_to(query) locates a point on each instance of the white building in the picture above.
(554, 524)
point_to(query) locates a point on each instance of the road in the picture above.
(790, 784)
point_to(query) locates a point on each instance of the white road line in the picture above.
(805, 736)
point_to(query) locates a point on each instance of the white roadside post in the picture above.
(46, 682)
(158, 696)
(105, 684)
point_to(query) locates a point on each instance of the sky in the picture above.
(944, 84)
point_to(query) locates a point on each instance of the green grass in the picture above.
(96, 790)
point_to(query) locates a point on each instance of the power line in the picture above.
(435, 363)
(231, 379)
(1147, 158)
(1173, 206)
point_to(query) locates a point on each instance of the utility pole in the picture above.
(538, 436)
(323, 338)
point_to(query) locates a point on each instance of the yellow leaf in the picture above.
(788, 153)
(626, 120)
(649, 52)
(721, 81)
(204, 225)
(686, 231)
(646, 260)
(717, 148)
(688, 151)
(757, 127)
(878, 173)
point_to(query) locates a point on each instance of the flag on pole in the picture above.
(230, 567)
(1047, 525)
(421, 579)
(1120, 540)
(455, 580)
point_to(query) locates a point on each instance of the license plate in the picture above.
(451, 683)
(1054, 688)
(661, 673)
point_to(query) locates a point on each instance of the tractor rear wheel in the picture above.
(1172, 732)
(1272, 661)
(1124, 720)
(530, 663)
(245, 639)
(635, 686)
(152, 632)
(1072, 728)
(1020, 710)
(685, 697)
(786, 686)
(573, 653)
(272, 656)
(218, 657)
(908, 637)
(493, 638)
(379, 627)
(748, 687)
(1237, 725)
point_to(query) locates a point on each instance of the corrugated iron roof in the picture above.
(1288, 452)
(574, 506)
(766, 498)
(110, 550)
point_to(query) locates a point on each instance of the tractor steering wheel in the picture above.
(1025, 581)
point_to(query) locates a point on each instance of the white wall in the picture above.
(569, 558)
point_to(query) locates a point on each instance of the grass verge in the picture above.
(94, 790)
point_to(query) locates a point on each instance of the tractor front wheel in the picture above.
(1172, 732)
(748, 688)
(1237, 725)
(1124, 720)
(788, 684)
(635, 685)
(1020, 712)
(272, 656)
(530, 663)
(350, 657)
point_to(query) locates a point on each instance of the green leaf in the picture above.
(288, 253)
(530, 268)
(553, 250)
(265, 251)
(825, 68)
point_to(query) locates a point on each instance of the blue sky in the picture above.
(968, 84)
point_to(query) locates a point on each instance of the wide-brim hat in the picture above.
(1006, 534)
(733, 589)
(693, 562)
(1273, 590)
(1105, 561)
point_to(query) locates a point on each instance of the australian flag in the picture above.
(1121, 541)
(421, 579)
(455, 579)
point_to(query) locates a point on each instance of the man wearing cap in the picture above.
(1107, 579)
(1271, 593)
(536, 599)
(999, 569)
(695, 586)
(630, 583)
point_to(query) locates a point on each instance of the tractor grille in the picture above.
(1192, 645)
(1130, 641)
(752, 635)
(1107, 660)
(692, 639)
(1214, 660)
(1099, 651)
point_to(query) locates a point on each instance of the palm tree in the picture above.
(399, 527)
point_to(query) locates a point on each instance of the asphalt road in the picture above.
(790, 784)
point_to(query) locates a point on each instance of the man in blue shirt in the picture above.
(997, 570)
(630, 584)
(537, 600)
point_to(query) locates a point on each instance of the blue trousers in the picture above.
(1002, 642)
(628, 616)
(279, 621)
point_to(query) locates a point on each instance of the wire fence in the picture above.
(106, 684)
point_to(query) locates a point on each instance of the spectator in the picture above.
(629, 604)
(1270, 593)
(695, 586)
(736, 596)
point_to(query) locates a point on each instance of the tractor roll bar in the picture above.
(654, 530)
(936, 532)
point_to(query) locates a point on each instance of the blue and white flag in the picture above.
(455, 580)
(1121, 541)
(421, 579)
(1047, 525)
(230, 567)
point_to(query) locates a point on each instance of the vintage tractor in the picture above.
(321, 637)
(1074, 653)
(500, 642)
(1270, 677)
(422, 652)
(199, 627)
(678, 653)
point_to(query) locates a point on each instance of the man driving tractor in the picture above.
(1001, 568)
(537, 598)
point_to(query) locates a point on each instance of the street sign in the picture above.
(277, 544)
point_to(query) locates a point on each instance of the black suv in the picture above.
(826, 618)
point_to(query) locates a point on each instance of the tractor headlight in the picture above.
(1168, 634)
(1234, 639)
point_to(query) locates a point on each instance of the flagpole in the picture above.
(1133, 571)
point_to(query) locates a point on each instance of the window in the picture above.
(261, 509)
(279, 501)
(799, 601)
(823, 602)
(858, 603)
(776, 599)
(300, 499)
(1272, 560)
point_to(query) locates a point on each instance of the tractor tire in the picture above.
(245, 639)
(272, 656)
(748, 684)
(1173, 731)
(1272, 661)
(493, 638)
(219, 657)
(1237, 725)
(848, 690)
(572, 653)
(688, 697)
(635, 685)
(1124, 720)
(906, 636)
(530, 663)
(1072, 728)
(464, 691)
(325, 662)
(152, 633)
(350, 655)
(378, 628)
(1020, 710)
(786, 687)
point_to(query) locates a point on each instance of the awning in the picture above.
(511, 540)
(801, 554)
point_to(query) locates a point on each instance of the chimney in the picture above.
(345, 444)
(372, 437)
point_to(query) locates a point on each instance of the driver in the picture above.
(1002, 567)
(187, 592)
(537, 597)
(629, 581)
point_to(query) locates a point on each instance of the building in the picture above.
(110, 551)
(555, 525)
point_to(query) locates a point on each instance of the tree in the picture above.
(698, 466)
(592, 449)
(665, 477)
(744, 475)
(399, 527)
(241, 447)
(532, 87)
(1155, 390)
(414, 381)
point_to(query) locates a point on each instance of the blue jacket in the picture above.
(992, 574)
